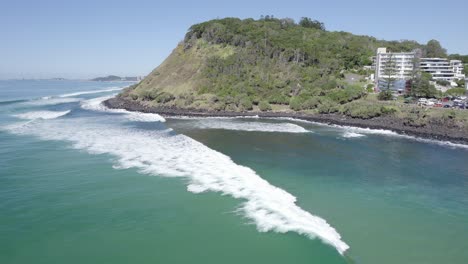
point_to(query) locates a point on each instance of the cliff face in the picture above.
(234, 65)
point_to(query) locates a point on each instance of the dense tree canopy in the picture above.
(234, 64)
(422, 87)
(280, 60)
(463, 58)
(435, 50)
(309, 23)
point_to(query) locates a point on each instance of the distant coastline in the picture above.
(434, 131)
(113, 78)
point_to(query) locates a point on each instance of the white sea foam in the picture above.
(231, 124)
(437, 142)
(349, 134)
(96, 104)
(383, 132)
(165, 154)
(91, 92)
(214, 117)
(368, 130)
(52, 101)
(144, 117)
(42, 114)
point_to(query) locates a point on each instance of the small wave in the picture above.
(96, 104)
(52, 101)
(165, 154)
(215, 117)
(368, 130)
(42, 114)
(12, 102)
(383, 132)
(250, 126)
(91, 92)
(233, 123)
(145, 117)
(352, 135)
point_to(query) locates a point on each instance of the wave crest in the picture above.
(236, 124)
(166, 154)
(96, 104)
(91, 92)
(42, 114)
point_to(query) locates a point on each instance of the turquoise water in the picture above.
(82, 184)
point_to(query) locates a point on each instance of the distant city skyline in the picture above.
(88, 39)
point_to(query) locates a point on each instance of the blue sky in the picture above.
(83, 39)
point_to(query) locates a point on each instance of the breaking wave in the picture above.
(42, 114)
(166, 154)
(233, 124)
(384, 132)
(96, 104)
(90, 92)
(7, 102)
(52, 101)
(350, 134)
(144, 117)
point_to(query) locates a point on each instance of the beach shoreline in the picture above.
(434, 131)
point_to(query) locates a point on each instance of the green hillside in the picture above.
(237, 65)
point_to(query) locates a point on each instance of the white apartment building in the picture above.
(457, 66)
(439, 68)
(404, 64)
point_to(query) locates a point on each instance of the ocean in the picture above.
(80, 183)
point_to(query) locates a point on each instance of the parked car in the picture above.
(447, 106)
(430, 103)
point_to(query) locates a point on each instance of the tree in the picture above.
(287, 22)
(463, 58)
(416, 72)
(435, 50)
(443, 82)
(309, 23)
(455, 91)
(264, 106)
(422, 86)
(460, 83)
(389, 73)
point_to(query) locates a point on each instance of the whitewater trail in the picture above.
(96, 104)
(51, 101)
(350, 132)
(167, 154)
(42, 114)
(239, 125)
(91, 92)
(60, 99)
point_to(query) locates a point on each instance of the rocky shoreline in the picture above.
(433, 131)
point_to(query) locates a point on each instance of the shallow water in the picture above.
(77, 185)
